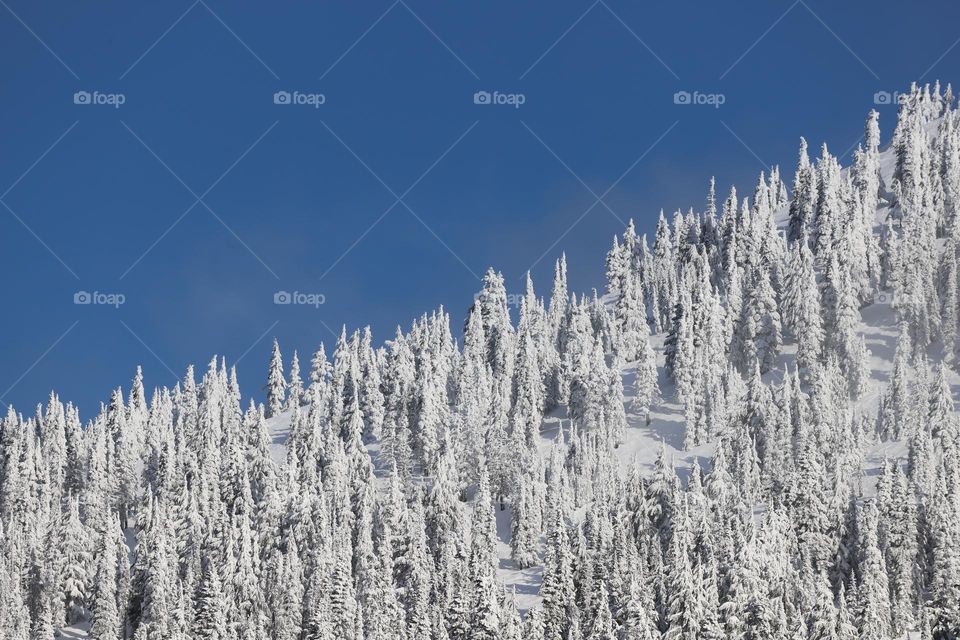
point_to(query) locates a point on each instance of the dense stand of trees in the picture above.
(187, 516)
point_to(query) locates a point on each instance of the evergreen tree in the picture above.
(106, 607)
(801, 305)
(276, 386)
(209, 621)
(295, 384)
(76, 564)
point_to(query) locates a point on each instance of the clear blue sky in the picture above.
(290, 194)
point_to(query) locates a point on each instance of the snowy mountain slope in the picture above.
(716, 479)
(666, 426)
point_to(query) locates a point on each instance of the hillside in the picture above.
(751, 434)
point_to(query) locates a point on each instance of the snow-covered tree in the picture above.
(276, 385)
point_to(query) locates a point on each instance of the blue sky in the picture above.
(198, 198)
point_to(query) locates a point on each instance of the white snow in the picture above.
(643, 441)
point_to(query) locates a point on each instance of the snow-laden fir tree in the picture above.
(276, 385)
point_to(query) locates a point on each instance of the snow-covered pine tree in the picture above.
(276, 385)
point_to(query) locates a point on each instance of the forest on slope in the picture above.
(751, 435)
